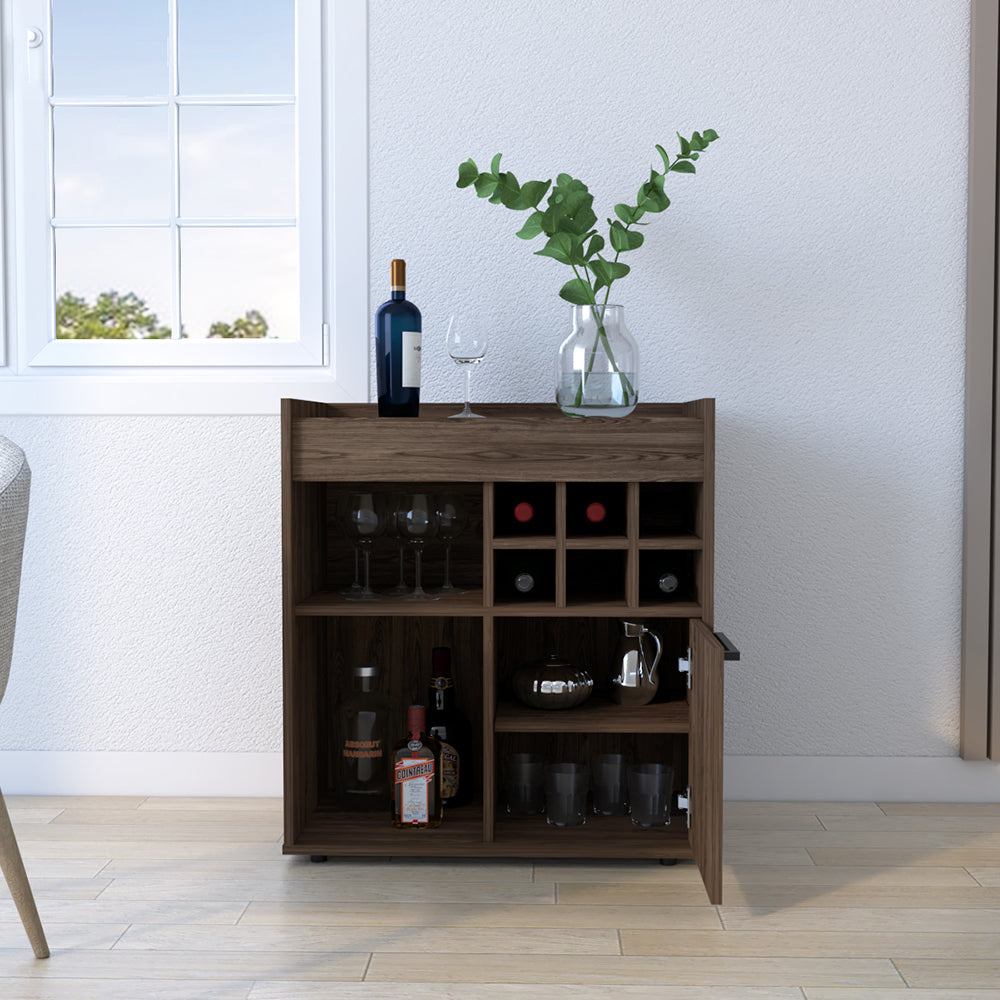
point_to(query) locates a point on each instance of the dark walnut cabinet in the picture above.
(654, 472)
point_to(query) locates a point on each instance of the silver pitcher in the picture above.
(634, 680)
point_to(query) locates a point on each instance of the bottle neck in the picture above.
(363, 685)
(397, 294)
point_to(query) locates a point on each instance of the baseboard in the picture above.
(861, 779)
(802, 779)
(115, 772)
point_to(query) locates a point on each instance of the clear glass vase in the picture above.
(598, 372)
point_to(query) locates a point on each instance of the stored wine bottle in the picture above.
(397, 350)
(666, 576)
(362, 744)
(416, 775)
(449, 724)
(595, 509)
(524, 509)
(524, 576)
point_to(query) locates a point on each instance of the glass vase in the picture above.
(598, 371)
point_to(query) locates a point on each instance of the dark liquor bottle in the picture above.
(449, 724)
(524, 509)
(595, 509)
(524, 576)
(397, 350)
(362, 744)
(416, 775)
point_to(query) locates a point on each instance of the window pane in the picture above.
(110, 48)
(239, 283)
(112, 163)
(238, 162)
(235, 47)
(112, 283)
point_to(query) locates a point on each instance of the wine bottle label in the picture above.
(410, 372)
(413, 776)
(442, 683)
(449, 771)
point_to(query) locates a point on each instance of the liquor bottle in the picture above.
(524, 576)
(362, 745)
(449, 724)
(416, 771)
(397, 350)
(524, 509)
(595, 509)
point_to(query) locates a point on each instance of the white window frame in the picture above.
(329, 362)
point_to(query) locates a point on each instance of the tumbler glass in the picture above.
(650, 788)
(566, 794)
(524, 783)
(609, 784)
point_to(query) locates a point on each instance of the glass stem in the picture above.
(356, 568)
(402, 573)
(447, 566)
(368, 588)
(468, 390)
(417, 588)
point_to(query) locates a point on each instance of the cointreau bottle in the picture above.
(416, 775)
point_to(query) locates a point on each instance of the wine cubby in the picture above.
(599, 516)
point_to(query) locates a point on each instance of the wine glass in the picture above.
(417, 522)
(466, 348)
(453, 514)
(342, 512)
(364, 522)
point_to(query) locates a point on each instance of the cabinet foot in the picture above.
(317, 858)
(668, 861)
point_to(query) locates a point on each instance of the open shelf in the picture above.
(596, 715)
(453, 605)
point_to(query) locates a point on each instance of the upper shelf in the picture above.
(658, 442)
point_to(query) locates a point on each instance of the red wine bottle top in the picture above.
(441, 661)
(596, 512)
(524, 512)
(416, 719)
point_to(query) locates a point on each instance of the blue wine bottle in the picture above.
(397, 350)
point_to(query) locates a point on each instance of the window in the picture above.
(176, 173)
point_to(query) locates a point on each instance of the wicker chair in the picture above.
(15, 484)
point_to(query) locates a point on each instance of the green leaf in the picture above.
(564, 180)
(532, 192)
(710, 135)
(623, 239)
(683, 167)
(532, 227)
(685, 146)
(596, 246)
(576, 291)
(467, 173)
(508, 190)
(495, 166)
(485, 185)
(663, 156)
(624, 212)
(559, 247)
(606, 271)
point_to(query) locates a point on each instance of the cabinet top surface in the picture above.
(516, 441)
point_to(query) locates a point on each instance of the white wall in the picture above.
(810, 277)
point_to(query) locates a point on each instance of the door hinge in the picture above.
(684, 665)
(684, 802)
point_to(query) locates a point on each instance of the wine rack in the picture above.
(614, 506)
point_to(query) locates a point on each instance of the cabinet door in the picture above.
(705, 766)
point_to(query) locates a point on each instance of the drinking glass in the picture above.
(452, 514)
(417, 522)
(466, 348)
(364, 522)
(392, 530)
(342, 508)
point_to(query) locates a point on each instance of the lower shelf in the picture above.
(461, 835)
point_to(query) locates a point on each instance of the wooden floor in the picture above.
(184, 899)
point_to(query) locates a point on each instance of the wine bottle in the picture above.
(449, 724)
(416, 775)
(524, 509)
(362, 744)
(595, 509)
(397, 350)
(524, 576)
(666, 576)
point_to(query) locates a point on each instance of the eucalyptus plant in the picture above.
(568, 221)
(568, 218)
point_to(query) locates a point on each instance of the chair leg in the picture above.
(17, 880)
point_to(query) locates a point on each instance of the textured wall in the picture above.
(811, 277)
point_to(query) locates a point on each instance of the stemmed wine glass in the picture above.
(392, 530)
(453, 514)
(417, 522)
(342, 513)
(466, 348)
(364, 522)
